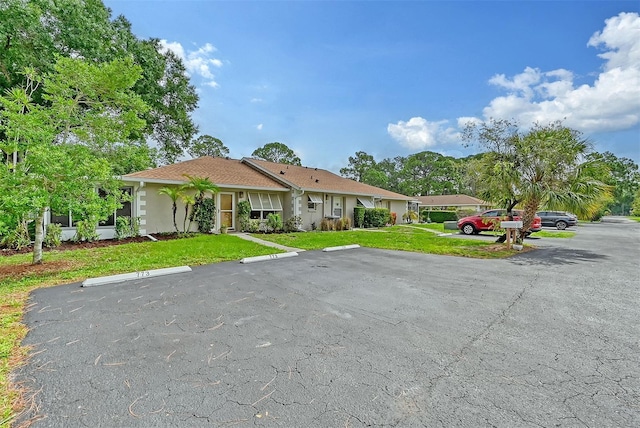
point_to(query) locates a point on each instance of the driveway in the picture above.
(355, 338)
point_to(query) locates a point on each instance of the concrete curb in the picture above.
(342, 247)
(90, 282)
(268, 257)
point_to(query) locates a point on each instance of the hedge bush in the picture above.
(358, 216)
(376, 217)
(439, 216)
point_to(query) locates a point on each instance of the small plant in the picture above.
(18, 238)
(325, 225)
(224, 228)
(244, 211)
(253, 225)
(345, 223)
(410, 216)
(293, 224)
(393, 218)
(127, 227)
(53, 237)
(123, 227)
(86, 231)
(274, 222)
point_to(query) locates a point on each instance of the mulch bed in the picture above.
(70, 245)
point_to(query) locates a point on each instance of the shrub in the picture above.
(358, 216)
(274, 222)
(439, 216)
(376, 217)
(205, 215)
(252, 226)
(86, 231)
(244, 211)
(394, 218)
(410, 216)
(326, 225)
(346, 223)
(293, 224)
(127, 227)
(123, 227)
(53, 236)
(18, 238)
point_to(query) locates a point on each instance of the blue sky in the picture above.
(329, 78)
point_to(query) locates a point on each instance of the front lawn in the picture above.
(393, 238)
(18, 278)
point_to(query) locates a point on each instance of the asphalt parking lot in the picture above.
(354, 338)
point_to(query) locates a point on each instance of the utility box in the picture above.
(511, 224)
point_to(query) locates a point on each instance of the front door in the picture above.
(337, 206)
(227, 211)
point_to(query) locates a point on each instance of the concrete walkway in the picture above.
(248, 237)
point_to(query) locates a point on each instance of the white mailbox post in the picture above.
(511, 228)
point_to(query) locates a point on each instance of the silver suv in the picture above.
(558, 219)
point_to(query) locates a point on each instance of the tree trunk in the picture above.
(37, 245)
(175, 210)
(529, 214)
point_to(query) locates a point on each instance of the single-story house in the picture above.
(310, 193)
(442, 202)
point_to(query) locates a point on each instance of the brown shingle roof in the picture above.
(320, 180)
(221, 171)
(449, 200)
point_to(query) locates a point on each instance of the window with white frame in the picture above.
(367, 203)
(313, 202)
(263, 204)
(68, 220)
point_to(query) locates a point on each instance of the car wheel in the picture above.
(561, 225)
(468, 229)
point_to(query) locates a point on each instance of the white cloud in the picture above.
(418, 133)
(611, 103)
(259, 127)
(256, 100)
(197, 62)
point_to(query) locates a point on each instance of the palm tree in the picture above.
(174, 193)
(542, 167)
(187, 200)
(201, 185)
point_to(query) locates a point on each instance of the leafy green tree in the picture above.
(543, 166)
(35, 32)
(429, 173)
(277, 152)
(206, 145)
(359, 166)
(635, 206)
(623, 176)
(89, 107)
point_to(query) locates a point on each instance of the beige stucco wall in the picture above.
(156, 216)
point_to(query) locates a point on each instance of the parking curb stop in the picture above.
(111, 279)
(268, 257)
(341, 247)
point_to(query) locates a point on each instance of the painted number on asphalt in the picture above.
(143, 273)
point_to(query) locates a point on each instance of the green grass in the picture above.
(635, 218)
(554, 234)
(62, 267)
(392, 238)
(433, 226)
